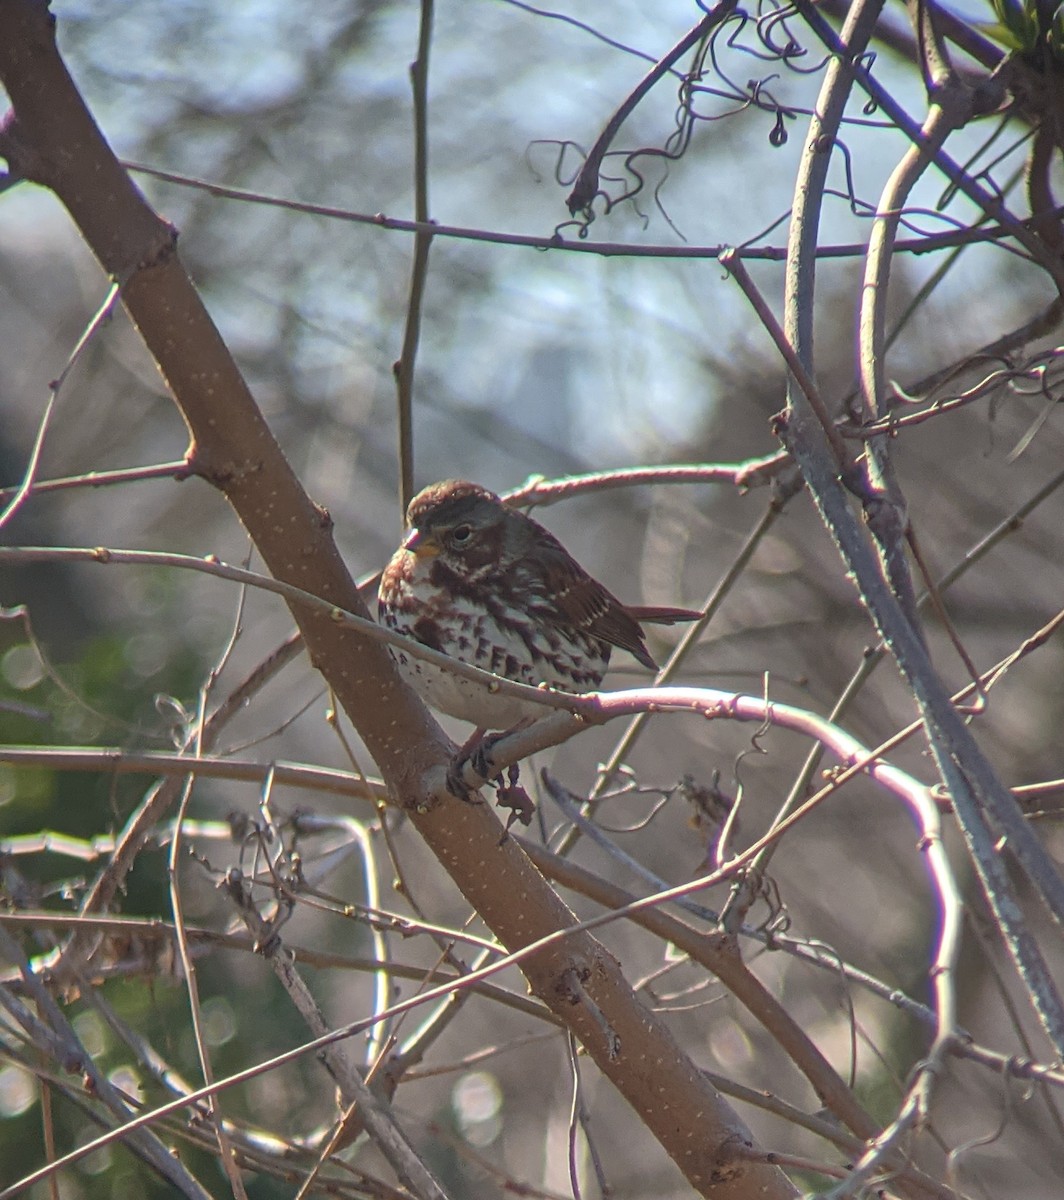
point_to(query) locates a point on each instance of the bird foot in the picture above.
(476, 752)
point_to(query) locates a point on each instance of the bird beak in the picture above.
(424, 545)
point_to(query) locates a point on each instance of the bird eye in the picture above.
(461, 534)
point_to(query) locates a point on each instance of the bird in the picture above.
(488, 585)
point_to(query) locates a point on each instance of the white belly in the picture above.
(541, 656)
(465, 699)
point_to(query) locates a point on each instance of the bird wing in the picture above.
(576, 599)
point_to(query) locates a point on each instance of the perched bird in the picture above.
(489, 586)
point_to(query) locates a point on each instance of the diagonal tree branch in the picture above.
(978, 795)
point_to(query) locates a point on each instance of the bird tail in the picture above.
(658, 615)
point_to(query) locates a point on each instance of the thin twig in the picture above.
(964, 769)
(63, 1043)
(691, 636)
(404, 368)
(376, 1117)
(103, 314)
(977, 233)
(92, 479)
(732, 262)
(586, 187)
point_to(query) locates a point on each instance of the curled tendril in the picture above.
(778, 134)
(765, 38)
(563, 147)
(708, 91)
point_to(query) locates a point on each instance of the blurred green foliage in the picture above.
(1024, 26)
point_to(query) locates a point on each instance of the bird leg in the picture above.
(468, 752)
(476, 751)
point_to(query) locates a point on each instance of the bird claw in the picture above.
(480, 757)
(476, 753)
(456, 783)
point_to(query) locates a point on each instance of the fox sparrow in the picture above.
(489, 586)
